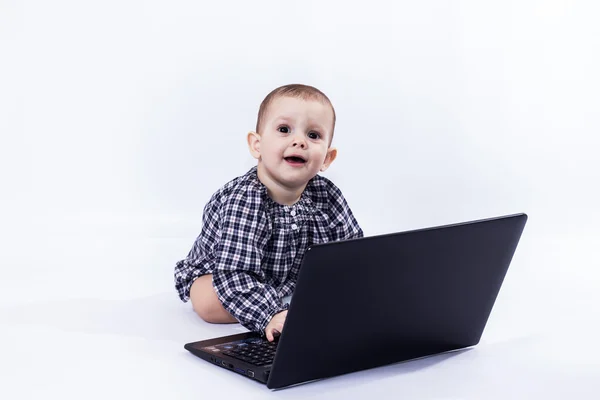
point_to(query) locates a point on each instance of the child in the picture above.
(256, 228)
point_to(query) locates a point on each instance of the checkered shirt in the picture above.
(254, 246)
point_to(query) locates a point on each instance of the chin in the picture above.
(298, 178)
(294, 182)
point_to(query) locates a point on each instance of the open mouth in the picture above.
(295, 160)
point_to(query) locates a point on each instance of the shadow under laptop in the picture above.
(460, 362)
(377, 373)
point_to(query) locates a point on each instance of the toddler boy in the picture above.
(256, 228)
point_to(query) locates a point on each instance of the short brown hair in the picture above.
(300, 91)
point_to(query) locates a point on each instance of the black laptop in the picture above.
(373, 301)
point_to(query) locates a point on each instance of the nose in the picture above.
(299, 142)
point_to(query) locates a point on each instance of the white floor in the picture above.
(91, 315)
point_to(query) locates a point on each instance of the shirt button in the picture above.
(293, 213)
(294, 226)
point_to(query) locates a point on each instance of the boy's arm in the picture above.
(238, 276)
(344, 225)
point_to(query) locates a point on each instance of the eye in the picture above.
(314, 135)
(284, 129)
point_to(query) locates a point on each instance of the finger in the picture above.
(269, 335)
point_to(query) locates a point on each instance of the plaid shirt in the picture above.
(254, 246)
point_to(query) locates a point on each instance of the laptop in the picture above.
(373, 301)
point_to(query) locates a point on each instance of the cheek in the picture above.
(320, 154)
(272, 150)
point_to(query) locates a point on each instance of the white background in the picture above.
(119, 119)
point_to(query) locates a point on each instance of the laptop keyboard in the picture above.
(256, 352)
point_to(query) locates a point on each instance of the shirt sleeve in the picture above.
(200, 259)
(238, 275)
(343, 223)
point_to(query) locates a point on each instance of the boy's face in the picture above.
(294, 143)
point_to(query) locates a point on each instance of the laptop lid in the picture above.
(377, 300)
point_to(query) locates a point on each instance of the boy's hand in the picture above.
(275, 327)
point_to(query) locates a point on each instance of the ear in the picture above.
(254, 144)
(331, 155)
